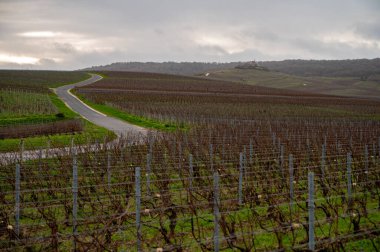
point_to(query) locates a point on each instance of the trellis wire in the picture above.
(242, 167)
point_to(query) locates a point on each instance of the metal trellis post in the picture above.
(241, 179)
(17, 200)
(311, 211)
(291, 183)
(75, 197)
(138, 206)
(216, 211)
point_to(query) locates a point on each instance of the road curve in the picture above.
(118, 126)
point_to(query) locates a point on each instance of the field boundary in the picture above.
(90, 130)
(76, 97)
(298, 193)
(110, 111)
(133, 119)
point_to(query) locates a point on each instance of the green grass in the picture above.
(30, 101)
(363, 245)
(18, 103)
(90, 133)
(133, 119)
(264, 239)
(36, 119)
(61, 106)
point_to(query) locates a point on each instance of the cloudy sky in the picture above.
(72, 34)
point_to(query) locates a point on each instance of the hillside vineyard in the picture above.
(248, 169)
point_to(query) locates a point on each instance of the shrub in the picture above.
(60, 115)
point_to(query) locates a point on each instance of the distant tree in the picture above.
(360, 68)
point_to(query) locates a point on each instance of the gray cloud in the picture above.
(45, 61)
(77, 34)
(370, 30)
(213, 50)
(66, 48)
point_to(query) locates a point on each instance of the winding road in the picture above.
(118, 126)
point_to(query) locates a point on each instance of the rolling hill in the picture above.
(345, 86)
(359, 78)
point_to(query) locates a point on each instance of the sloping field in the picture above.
(255, 169)
(167, 97)
(345, 86)
(30, 110)
(38, 81)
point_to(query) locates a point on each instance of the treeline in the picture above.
(361, 68)
(180, 68)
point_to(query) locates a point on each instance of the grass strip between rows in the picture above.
(90, 133)
(90, 130)
(133, 119)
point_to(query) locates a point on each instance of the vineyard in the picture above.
(15, 103)
(256, 169)
(183, 100)
(30, 110)
(37, 81)
(201, 191)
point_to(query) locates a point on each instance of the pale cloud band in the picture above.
(18, 59)
(54, 34)
(38, 34)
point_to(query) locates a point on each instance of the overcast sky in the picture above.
(72, 34)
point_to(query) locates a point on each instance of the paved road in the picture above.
(116, 125)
